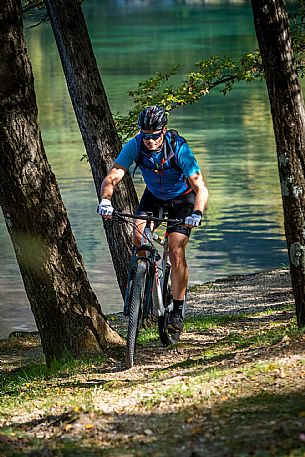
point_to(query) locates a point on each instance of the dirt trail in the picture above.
(235, 294)
(210, 396)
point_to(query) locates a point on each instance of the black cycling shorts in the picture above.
(177, 208)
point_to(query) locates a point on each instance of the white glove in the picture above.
(193, 220)
(105, 208)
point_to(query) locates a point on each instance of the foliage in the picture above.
(32, 4)
(215, 72)
(297, 25)
(34, 11)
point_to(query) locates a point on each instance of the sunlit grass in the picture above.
(203, 381)
(265, 337)
(204, 323)
(191, 324)
(60, 384)
(148, 335)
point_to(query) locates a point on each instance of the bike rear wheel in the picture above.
(135, 311)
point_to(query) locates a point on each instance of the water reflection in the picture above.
(231, 136)
(176, 2)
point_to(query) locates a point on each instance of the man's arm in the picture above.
(117, 172)
(113, 177)
(202, 194)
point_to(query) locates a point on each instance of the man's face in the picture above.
(154, 142)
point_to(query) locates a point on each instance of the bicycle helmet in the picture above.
(152, 118)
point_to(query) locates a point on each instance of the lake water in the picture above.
(231, 136)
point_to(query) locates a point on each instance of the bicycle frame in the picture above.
(156, 266)
(148, 292)
(154, 295)
(159, 265)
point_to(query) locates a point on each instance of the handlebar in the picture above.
(147, 217)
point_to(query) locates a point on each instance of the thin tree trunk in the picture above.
(287, 108)
(67, 313)
(95, 120)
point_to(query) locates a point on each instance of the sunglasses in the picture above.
(151, 136)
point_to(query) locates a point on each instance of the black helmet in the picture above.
(152, 118)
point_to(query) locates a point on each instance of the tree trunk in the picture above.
(67, 313)
(287, 108)
(95, 120)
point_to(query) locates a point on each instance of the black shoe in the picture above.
(175, 323)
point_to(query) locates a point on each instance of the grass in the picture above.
(191, 324)
(240, 339)
(265, 337)
(238, 392)
(39, 384)
(203, 323)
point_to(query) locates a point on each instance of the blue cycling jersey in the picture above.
(163, 180)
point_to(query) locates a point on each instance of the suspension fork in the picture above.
(147, 251)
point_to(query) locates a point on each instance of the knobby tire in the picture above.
(162, 320)
(135, 311)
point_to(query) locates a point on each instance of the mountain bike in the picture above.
(148, 291)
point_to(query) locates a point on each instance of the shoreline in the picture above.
(228, 295)
(233, 294)
(242, 293)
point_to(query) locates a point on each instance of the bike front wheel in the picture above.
(135, 311)
(167, 298)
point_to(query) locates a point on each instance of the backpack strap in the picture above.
(139, 159)
(173, 143)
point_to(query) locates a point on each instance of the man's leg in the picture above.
(177, 243)
(138, 229)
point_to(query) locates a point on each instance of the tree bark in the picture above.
(287, 109)
(66, 310)
(95, 120)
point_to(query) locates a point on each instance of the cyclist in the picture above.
(174, 184)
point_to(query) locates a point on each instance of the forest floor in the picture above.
(234, 386)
